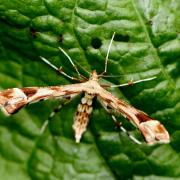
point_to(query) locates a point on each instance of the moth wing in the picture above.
(152, 130)
(12, 100)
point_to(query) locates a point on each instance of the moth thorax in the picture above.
(82, 116)
(94, 76)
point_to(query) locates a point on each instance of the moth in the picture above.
(12, 100)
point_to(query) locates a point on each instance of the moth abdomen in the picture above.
(82, 116)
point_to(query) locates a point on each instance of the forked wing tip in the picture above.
(154, 132)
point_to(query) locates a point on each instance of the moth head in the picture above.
(94, 76)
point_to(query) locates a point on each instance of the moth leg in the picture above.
(59, 70)
(52, 114)
(129, 83)
(133, 82)
(119, 126)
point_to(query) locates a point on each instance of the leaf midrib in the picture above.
(171, 82)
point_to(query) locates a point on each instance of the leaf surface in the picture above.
(146, 44)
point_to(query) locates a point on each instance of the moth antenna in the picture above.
(107, 55)
(59, 70)
(133, 82)
(124, 130)
(69, 58)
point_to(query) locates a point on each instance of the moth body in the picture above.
(12, 100)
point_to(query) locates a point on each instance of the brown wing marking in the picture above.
(12, 100)
(29, 92)
(152, 130)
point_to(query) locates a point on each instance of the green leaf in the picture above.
(146, 44)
